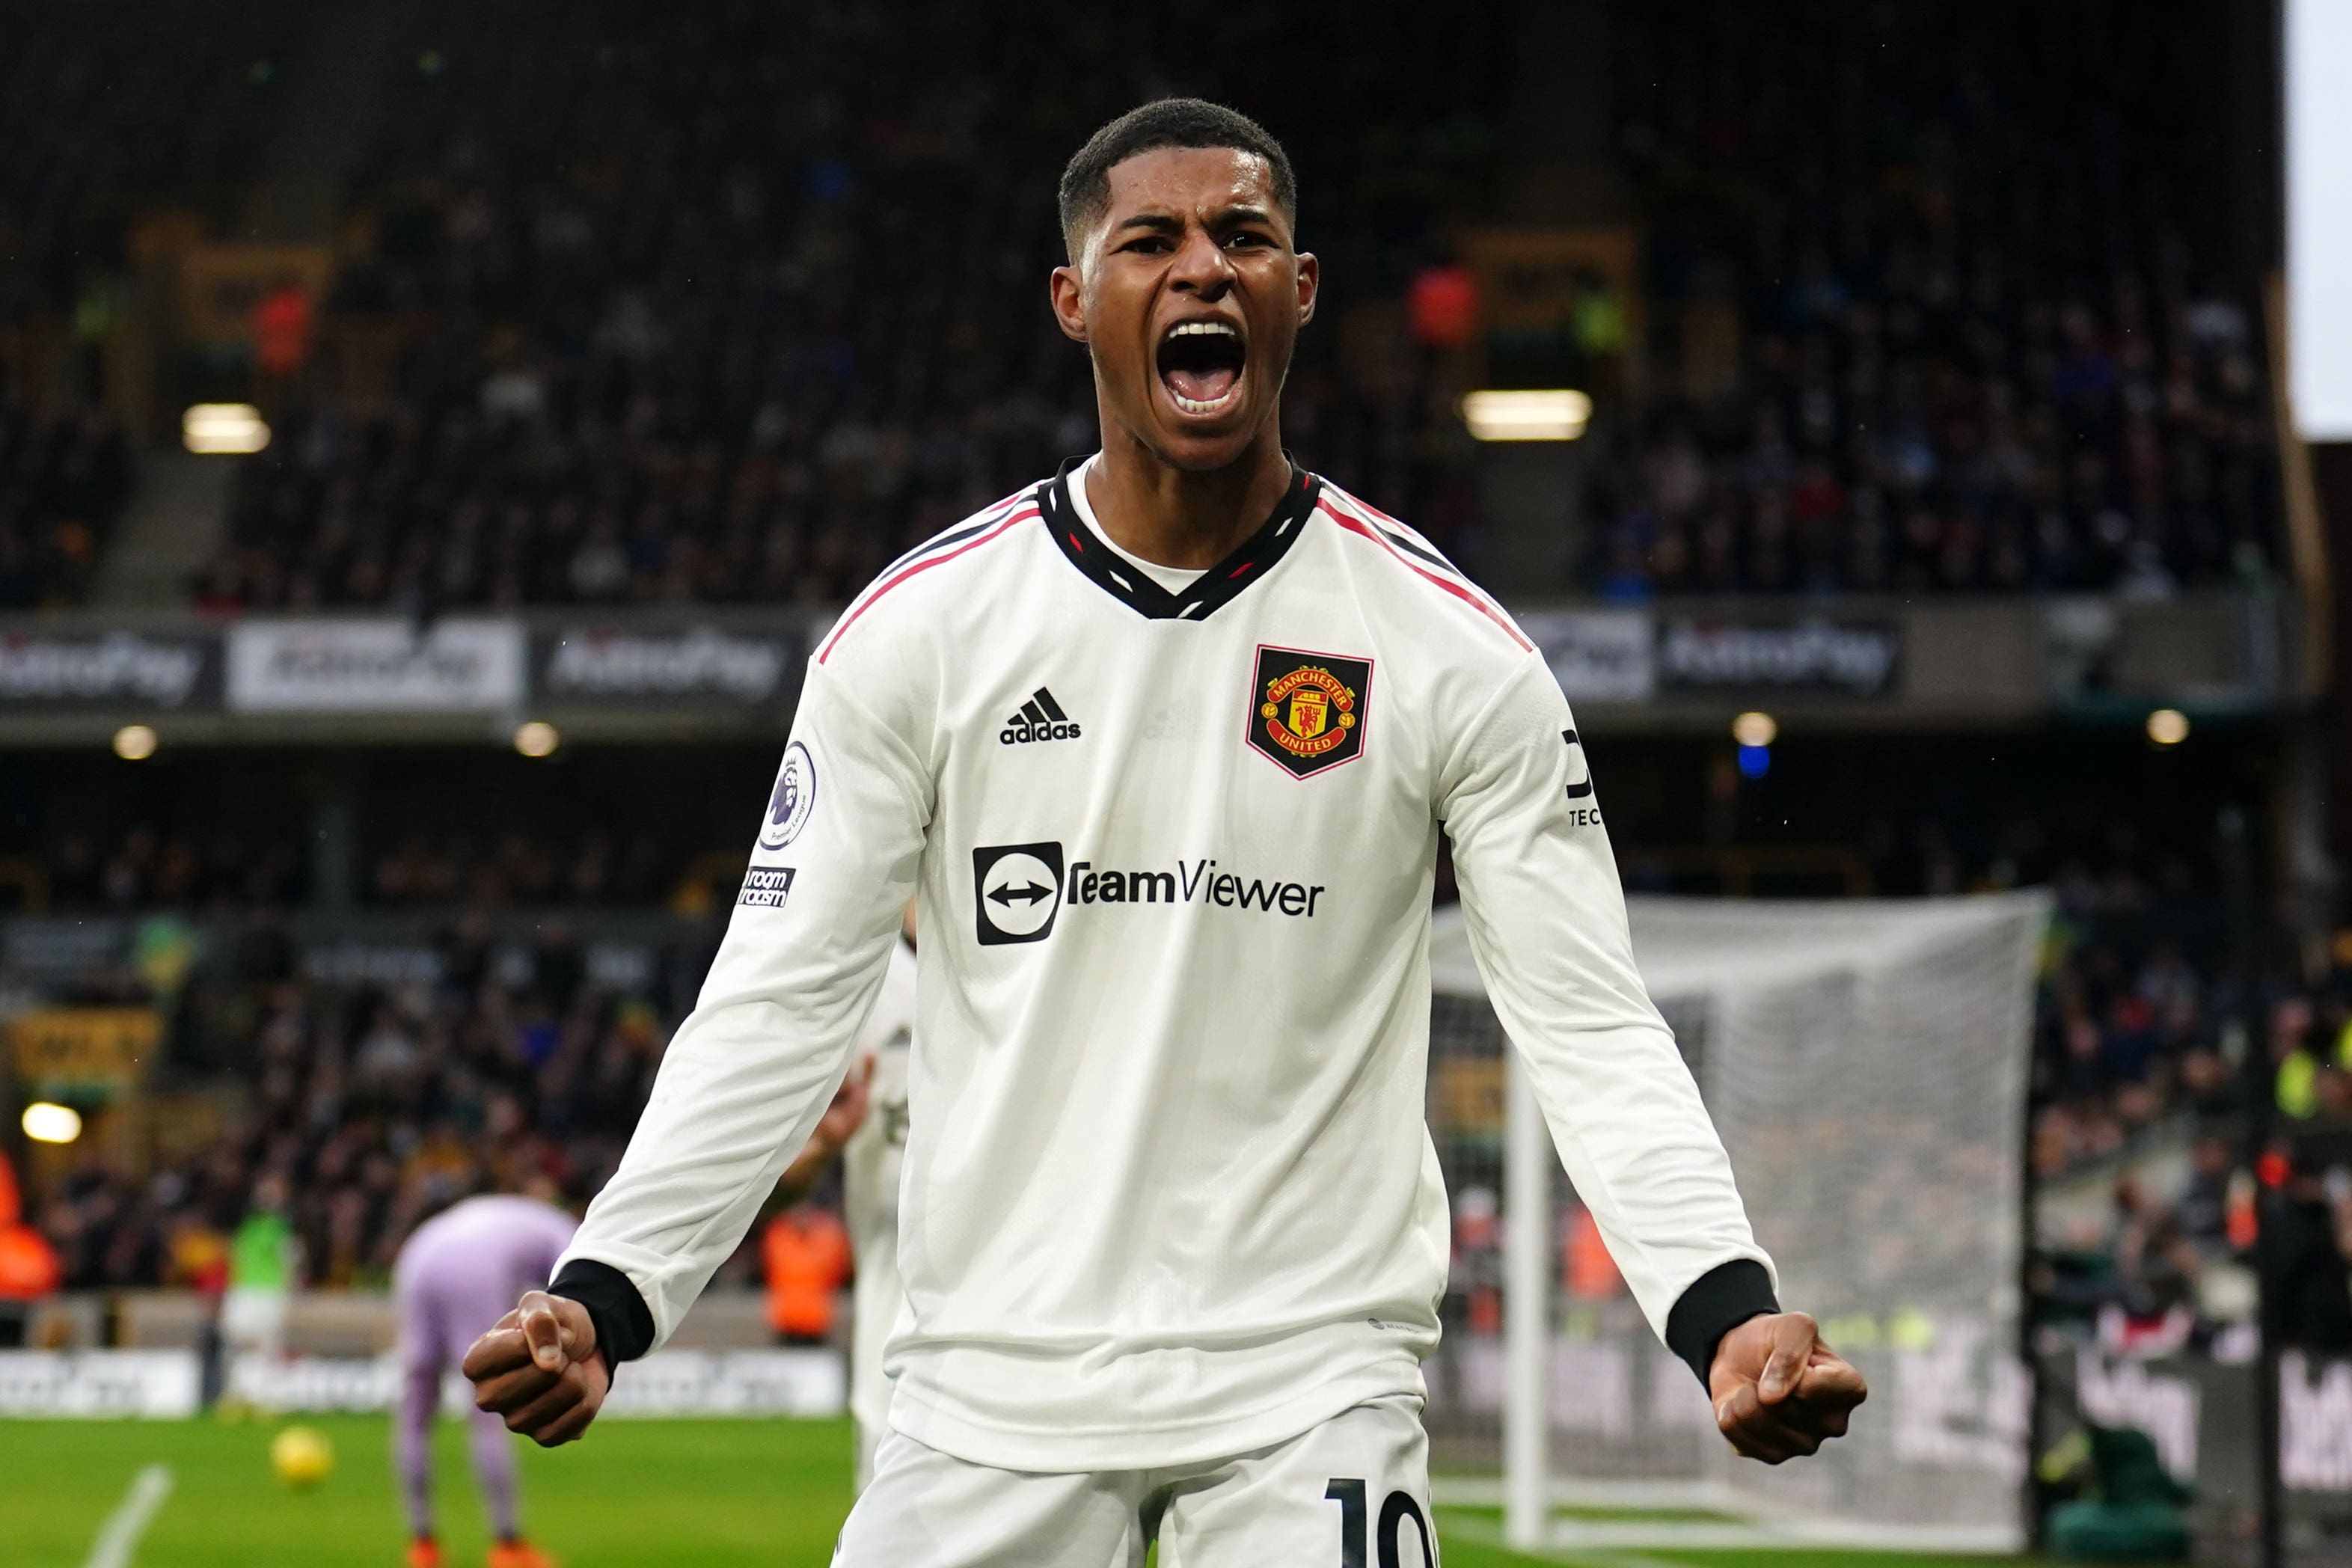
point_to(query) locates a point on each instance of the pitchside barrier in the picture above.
(161, 1384)
(2205, 1415)
(720, 1361)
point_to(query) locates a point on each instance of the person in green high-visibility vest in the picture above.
(264, 1258)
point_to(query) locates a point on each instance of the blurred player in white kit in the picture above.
(869, 1194)
(866, 1125)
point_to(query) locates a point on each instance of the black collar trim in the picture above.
(1208, 593)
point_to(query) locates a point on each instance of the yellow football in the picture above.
(302, 1455)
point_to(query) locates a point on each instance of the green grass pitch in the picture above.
(683, 1494)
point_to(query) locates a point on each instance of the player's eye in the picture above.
(1149, 245)
(1246, 239)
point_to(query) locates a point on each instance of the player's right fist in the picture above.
(538, 1368)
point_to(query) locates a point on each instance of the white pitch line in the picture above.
(118, 1538)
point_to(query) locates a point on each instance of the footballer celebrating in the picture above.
(1164, 745)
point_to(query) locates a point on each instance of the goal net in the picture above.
(1866, 1064)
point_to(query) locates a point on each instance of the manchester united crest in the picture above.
(1308, 710)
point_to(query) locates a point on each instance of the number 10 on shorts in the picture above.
(1348, 1493)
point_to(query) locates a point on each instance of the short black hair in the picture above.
(1165, 122)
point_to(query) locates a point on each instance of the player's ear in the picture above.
(1068, 293)
(1310, 277)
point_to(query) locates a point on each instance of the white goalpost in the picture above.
(1866, 1062)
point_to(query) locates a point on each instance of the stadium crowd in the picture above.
(377, 1100)
(113, 110)
(1916, 358)
(145, 870)
(684, 308)
(374, 1106)
(746, 335)
(108, 113)
(2205, 1113)
(64, 479)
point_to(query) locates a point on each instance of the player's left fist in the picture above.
(539, 1367)
(1779, 1391)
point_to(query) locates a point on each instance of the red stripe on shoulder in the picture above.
(1468, 596)
(1020, 515)
(1396, 534)
(1354, 499)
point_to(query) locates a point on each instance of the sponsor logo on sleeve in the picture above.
(1580, 789)
(1018, 889)
(1308, 710)
(793, 799)
(766, 886)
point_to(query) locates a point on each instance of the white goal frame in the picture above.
(1847, 936)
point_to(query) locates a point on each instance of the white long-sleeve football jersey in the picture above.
(1168, 1189)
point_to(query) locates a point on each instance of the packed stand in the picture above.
(374, 1107)
(64, 478)
(2207, 1119)
(738, 305)
(1968, 334)
(109, 110)
(426, 869)
(106, 111)
(2191, 1136)
(146, 871)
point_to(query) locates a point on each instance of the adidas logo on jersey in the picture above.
(1040, 718)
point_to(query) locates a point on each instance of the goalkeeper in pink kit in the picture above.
(458, 1275)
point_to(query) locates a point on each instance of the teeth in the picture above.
(1204, 329)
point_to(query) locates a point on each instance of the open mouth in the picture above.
(1200, 365)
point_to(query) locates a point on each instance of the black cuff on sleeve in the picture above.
(1718, 1302)
(625, 1329)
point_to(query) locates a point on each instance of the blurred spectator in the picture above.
(2306, 1227)
(264, 1265)
(2154, 1310)
(806, 1251)
(64, 478)
(30, 1267)
(2203, 1207)
(282, 324)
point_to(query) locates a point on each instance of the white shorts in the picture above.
(255, 1320)
(1350, 1493)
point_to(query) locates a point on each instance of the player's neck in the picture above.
(1183, 518)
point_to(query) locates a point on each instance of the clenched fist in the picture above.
(538, 1368)
(1778, 1392)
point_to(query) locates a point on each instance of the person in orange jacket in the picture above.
(30, 1268)
(806, 1253)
